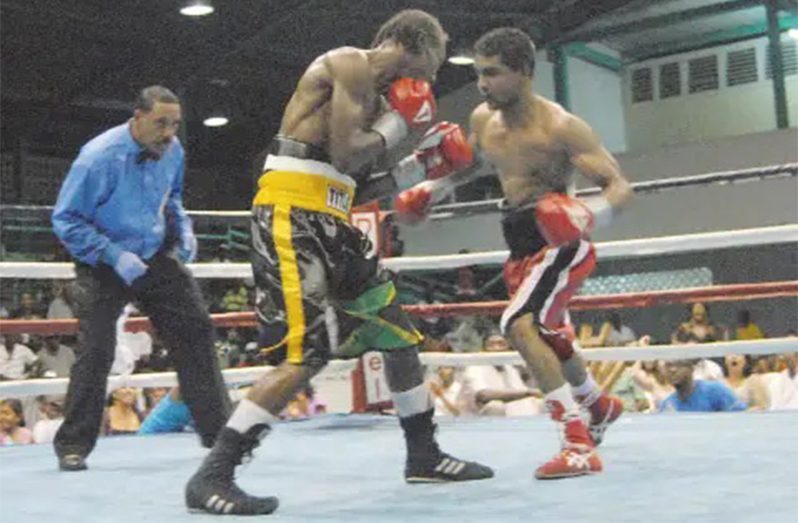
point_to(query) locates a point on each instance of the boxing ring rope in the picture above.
(248, 375)
(605, 250)
(665, 245)
(737, 292)
(723, 177)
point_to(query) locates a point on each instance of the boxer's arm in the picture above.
(383, 184)
(351, 146)
(590, 158)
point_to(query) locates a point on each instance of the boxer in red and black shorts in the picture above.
(534, 145)
(542, 279)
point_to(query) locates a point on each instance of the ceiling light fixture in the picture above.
(197, 8)
(215, 121)
(461, 60)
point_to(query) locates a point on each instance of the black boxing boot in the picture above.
(212, 488)
(426, 463)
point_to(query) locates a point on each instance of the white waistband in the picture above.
(299, 165)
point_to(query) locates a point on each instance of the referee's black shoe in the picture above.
(72, 462)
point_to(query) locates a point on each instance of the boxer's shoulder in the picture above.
(347, 62)
(479, 117)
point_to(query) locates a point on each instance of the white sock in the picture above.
(589, 391)
(564, 397)
(247, 414)
(413, 401)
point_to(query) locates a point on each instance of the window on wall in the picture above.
(741, 67)
(702, 74)
(789, 58)
(642, 85)
(670, 81)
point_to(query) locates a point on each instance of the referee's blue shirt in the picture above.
(112, 202)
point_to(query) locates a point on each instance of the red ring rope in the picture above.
(737, 292)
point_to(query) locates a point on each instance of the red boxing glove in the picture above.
(562, 219)
(444, 150)
(413, 205)
(413, 99)
(413, 105)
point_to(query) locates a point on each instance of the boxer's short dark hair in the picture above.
(155, 93)
(513, 47)
(415, 29)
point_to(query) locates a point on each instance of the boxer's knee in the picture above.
(559, 342)
(526, 327)
(403, 369)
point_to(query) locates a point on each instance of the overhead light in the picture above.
(197, 8)
(215, 121)
(793, 33)
(461, 59)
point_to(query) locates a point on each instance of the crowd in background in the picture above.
(755, 383)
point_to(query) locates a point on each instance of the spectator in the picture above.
(432, 327)
(61, 306)
(130, 346)
(304, 405)
(698, 328)
(52, 416)
(750, 388)
(446, 389)
(708, 370)
(28, 308)
(153, 396)
(12, 424)
(697, 395)
(16, 360)
(122, 416)
(498, 390)
(56, 358)
(465, 336)
(747, 329)
(236, 300)
(783, 388)
(4, 312)
(650, 377)
(230, 349)
(615, 334)
(170, 414)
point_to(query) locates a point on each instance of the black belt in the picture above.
(283, 146)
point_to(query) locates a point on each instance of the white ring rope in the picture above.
(247, 375)
(605, 250)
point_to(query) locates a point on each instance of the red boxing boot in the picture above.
(578, 456)
(603, 411)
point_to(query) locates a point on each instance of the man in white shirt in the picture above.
(497, 390)
(16, 360)
(783, 386)
(56, 357)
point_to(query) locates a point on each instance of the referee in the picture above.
(120, 214)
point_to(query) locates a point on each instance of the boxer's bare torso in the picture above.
(527, 149)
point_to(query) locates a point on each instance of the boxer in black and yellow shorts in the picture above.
(319, 293)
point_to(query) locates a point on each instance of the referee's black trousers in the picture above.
(170, 296)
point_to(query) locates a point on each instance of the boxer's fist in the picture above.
(444, 150)
(412, 105)
(562, 219)
(413, 100)
(413, 205)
